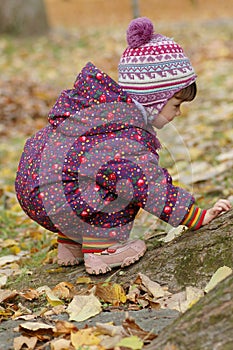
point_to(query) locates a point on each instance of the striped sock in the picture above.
(61, 238)
(95, 245)
(194, 217)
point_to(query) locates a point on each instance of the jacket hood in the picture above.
(91, 87)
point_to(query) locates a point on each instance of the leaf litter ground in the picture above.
(27, 252)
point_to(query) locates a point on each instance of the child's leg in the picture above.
(69, 251)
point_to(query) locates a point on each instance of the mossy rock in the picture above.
(189, 260)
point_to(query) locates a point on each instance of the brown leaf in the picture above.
(64, 290)
(132, 328)
(133, 293)
(7, 294)
(109, 329)
(111, 293)
(29, 294)
(40, 330)
(64, 327)
(30, 342)
(153, 288)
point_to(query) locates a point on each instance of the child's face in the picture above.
(168, 113)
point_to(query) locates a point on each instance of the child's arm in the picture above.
(197, 217)
(220, 206)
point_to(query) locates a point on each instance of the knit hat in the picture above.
(153, 67)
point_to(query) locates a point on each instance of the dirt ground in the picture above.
(89, 13)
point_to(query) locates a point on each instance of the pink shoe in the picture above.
(69, 254)
(116, 255)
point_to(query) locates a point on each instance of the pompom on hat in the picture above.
(153, 67)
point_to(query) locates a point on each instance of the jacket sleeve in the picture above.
(168, 202)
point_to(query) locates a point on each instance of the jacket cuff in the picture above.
(194, 217)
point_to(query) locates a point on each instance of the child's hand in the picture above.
(220, 206)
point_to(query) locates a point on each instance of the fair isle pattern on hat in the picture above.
(154, 71)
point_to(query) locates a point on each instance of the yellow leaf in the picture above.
(217, 277)
(83, 280)
(132, 342)
(15, 249)
(84, 337)
(53, 299)
(83, 307)
(8, 243)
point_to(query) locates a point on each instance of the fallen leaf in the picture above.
(15, 249)
(110, 293)
(173, 301)
(83, 280)
(225, 156)
(9, 271)
(192, 295)
(83, 307)
(217, 277)
(151, 287)
(25, 317)
(173, 233)
(43, 289)
(7, 294)
(36, 326)
(183, 300)
(8, 259)
(133, 293)
(84, 337)
(64, 327)
(3, 280)
(42, 331)
(20, 341)
(132, 342)
(132, 328)
(109, 329)
(29, 294)
(56, 310)
(64, 290)
(110, 342)
(22, 310)
(53, 299)
(61, 344)
(8, 243)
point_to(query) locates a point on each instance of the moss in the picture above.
(187, 263)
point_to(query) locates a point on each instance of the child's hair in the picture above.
(188, 93)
